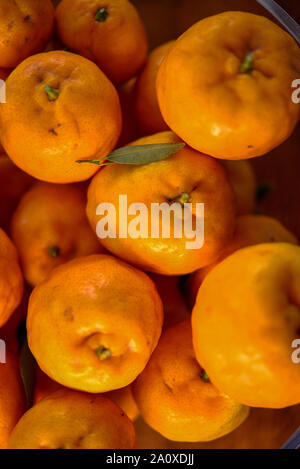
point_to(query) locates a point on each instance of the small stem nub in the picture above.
(54, 251)
(183, 198)
(101, 15)
(247, 64)
(98, 162)
(103, 353)
(204, 376)
(52, 93)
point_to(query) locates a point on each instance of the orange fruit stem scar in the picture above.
(54, 251)
(205, 377)
(182, 198)
(103, 353)
(52, 93)
(247, 64)
(101, 15)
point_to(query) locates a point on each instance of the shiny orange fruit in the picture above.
(25, 27)
(246, 325)
(101, 316)
(186, 176)
(74, 420)
(49, 228)
(226, 85)
(45, 386)
(110, 33)
(59, 108)
(175, 396)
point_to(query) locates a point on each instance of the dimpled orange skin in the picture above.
(11, 279)
(82, 122)
(206, 99)
(13, 184)
(12, 397)
(174, 399)
(102, 317)
(253, 329)
(74, 420)
(242, 178)
(186, 171)
(147, 110)
(118, 43)
(49, 228)
(25, 27)
(250, 230)
(45, 386)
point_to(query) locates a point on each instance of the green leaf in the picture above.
(139, 154)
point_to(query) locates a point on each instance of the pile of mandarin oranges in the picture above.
(109, 339)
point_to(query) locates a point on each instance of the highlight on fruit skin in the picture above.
(70, 419)
(175, 395)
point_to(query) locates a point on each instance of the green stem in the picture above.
(182, 198)
(52, 93)
(204, 376)
(54, 251)
(97, 162)
(101, 15)
(103, 353)
(247, 64)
